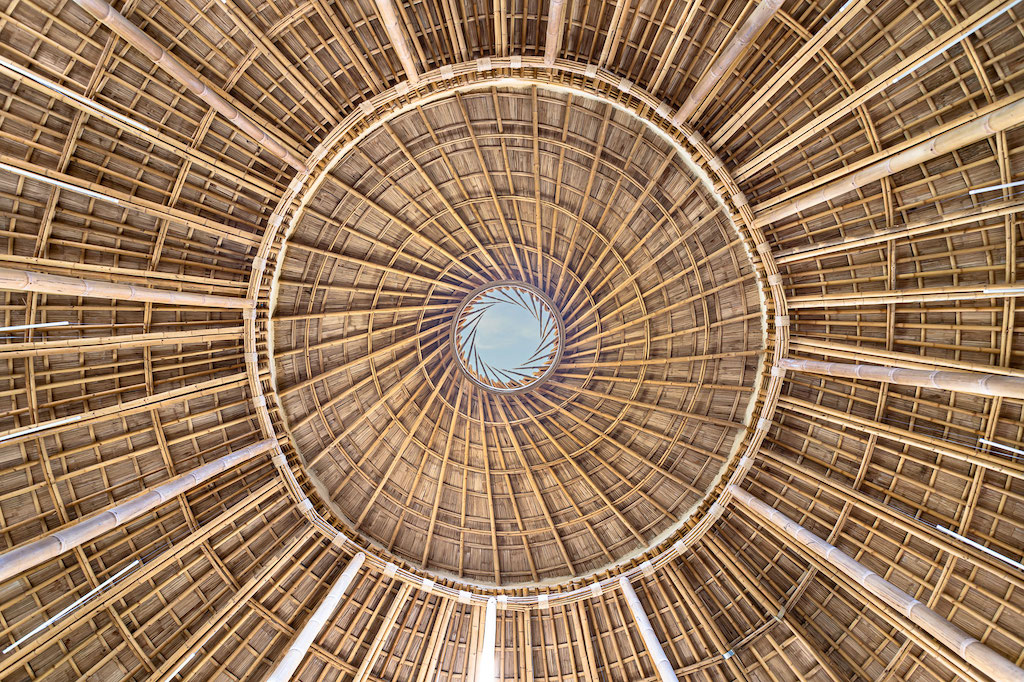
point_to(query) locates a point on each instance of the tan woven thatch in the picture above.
(777, 433)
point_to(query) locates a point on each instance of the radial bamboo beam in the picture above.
(737, 45)
(963, 646)
(919, 295)
(42, 283)
(399, 41)
(26, 557)
(661, 663)
(241, 119)
(962, 382)
(914, 228)
(555, 31)
(920, 150)
(299, 646)
(900, 69)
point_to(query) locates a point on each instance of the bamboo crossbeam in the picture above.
(737, 45)
(922, 149)
(241, 119)
(963, 646)
(300, 645)
(26, 557)
(42, 283)
(963, 382)
(657, 653)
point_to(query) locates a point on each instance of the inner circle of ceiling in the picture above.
(662, 336)
(507, 336)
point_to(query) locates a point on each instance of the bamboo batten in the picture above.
(783, 240)
(965, 382)
(971, 650)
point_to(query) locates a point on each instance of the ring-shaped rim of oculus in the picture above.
(483, 305)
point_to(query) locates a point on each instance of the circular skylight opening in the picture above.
(507, 336)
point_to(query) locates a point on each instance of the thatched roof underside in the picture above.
(824, 193)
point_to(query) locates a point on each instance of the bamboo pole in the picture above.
(919, 295)
(41, 283)
(977, 383)
(304, 639)
(399, 41)
(968, 649)
(135, 37)
(28, 556)
(750, 29)
(921, 149)
(654, 648)
(485, 664)
(380, 639)
(555, 30)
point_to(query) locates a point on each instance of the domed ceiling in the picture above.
(648, 340)
(660, 334)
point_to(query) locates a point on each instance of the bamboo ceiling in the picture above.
(240, 226)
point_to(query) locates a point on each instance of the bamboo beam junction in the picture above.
(965, 647)
(26, 557)
(737, 45)
(963, 382)
(661, 663)
(241, 119)
(302, 641)
(41, 283)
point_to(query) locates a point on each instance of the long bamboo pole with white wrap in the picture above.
(485, 666)
(304, 639)
(661, 663)
(28, 556)
(968, 649)
(977, 383)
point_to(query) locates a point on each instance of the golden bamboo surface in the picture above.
(782, 237)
